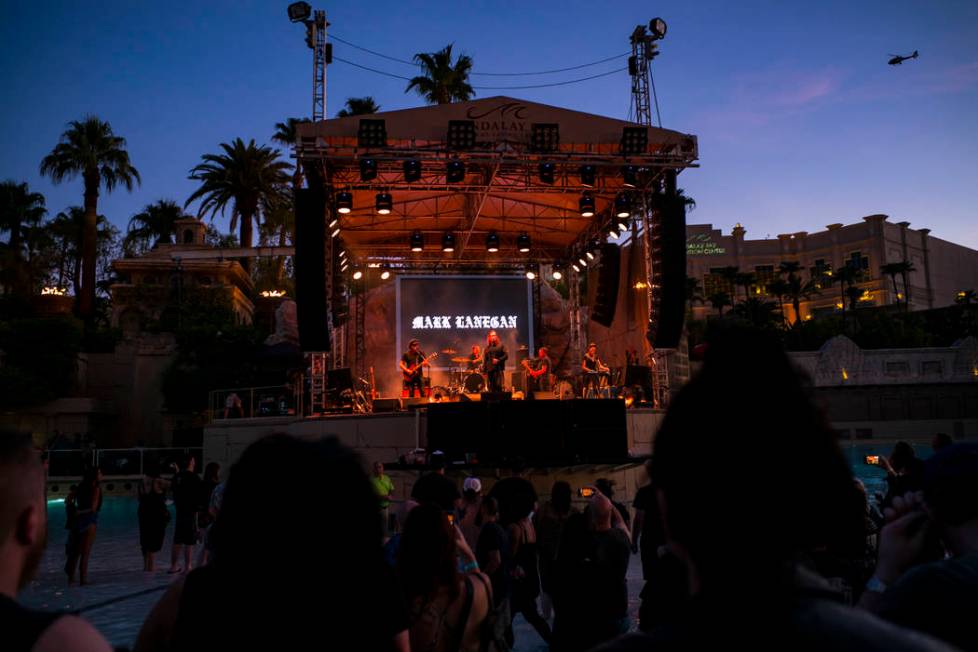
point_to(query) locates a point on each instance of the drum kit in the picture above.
(460, 379)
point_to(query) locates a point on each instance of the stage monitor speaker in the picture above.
(413, 403)
(497, 396)
(671, 309)
(543, 396)
(606, 296)
(311, 268)
(386, 405)
(339, 380)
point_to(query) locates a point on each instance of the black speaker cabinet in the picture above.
(311, 268)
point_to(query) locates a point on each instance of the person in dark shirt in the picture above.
(236, 602)
(904, 471)
(435, 488)
(186, 487)
(492, 550)
(412, 367)
(936, 597)
(494, 362)
(539, 370)
(23, 534)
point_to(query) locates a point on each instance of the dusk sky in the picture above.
(801, 122)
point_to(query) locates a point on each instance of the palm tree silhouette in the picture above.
(89, 148)
(155, 223)
(19, 209)
(285, 131)
(891, 270)
(719, 300)
(244, 178)
(358, 106)
(441, 81)
(779, 288)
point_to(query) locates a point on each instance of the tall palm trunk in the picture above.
(896, 293)
(246, 229)
(906, 292)
(86, 302)
(796, 304)
(280, 260)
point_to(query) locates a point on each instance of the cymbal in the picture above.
(459, 359)
(449, 351)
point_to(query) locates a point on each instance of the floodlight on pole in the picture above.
(299, 11)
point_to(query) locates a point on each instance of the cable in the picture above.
(482, 74)
(656, 98)
(485, 88)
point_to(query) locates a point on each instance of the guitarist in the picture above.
(412, 363)
(538, 372)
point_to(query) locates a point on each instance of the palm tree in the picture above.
(846, 277)
(245, 177)
(729, 274)
(279, 225)
(441, 81)
(758, 312)
(796, 290)
(853, 293)
(19, 209)
(153, 224)
(786, 267)
(693, 290)
(745, 280)
(779, 288)
(891, 270)
(89, 148)
(358, 106)
(689, 202)
(719, 300)
(67, 230)
(903, 269)
(966, 297)
(285, 132)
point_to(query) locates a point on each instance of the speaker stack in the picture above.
(311, 268)
(668, 250)
(606, 296)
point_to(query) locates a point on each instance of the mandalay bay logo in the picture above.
(462, 322)
(505, 119)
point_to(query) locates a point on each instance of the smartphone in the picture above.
(585, 492)
(872, 460)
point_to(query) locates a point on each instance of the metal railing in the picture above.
(119, 462)
(255, 402)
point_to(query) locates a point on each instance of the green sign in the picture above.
(701, 245)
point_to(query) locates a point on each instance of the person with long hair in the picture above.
(297, 561)
(447, 606)
(81, 537)
(153, 517)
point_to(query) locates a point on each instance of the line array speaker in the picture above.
(311, 268)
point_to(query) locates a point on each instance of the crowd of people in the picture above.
(751, 531)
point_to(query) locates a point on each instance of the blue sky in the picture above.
(800, 121)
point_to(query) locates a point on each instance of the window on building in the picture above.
(765, 275)
(820, 272)
(897, 368)
(714, 283)
(931, 368)
(859, 263)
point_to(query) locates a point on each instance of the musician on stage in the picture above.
(494, 362)
(475, 359)
(412, 364)
(593, 370)
(538, 372)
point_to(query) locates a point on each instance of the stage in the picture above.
(389, 436)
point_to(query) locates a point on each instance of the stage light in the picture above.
(335, 232)
(417, 241)
(530, 274)
(343, 267)
(623, 224)
(658, 28)
(546, 171)
(373, 265)
(333, 222)
(613, 231)
(371, 133)
(586, 205)
(386, 274)
(448, 242)
(523, 243)
(412, 170)
(634, 140)
(492, 242)
(575, 267)
(555, 270)
(557, 275)
(623, 205)
(299, 11)
(590, 256)
(342, 253)
(629, 175)
(588, 174)
(384, 203)
(358, 274)
(344, 202)
(582, 262)
(368, 169)
(544, 137)
(461, 134)
(455, 171)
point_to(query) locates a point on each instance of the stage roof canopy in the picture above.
(501, 142)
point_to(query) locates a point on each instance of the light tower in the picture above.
(322, 52)
(644, 50)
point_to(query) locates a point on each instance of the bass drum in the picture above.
(440, 394)
(564, 390)
(474, 383)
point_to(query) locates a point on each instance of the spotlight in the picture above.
(342, 253)
(455, 171)
(658, 28)
(335, 232)
(613, 231)
(343, 267)
(448, 242)
(492, 242)
(344, 202)
(333, 222)
(299, 11)
(555, 270)
(590, 256)
(575, 267)
(582, 262)
(623, 224)
(523, 243)
(623, 205)
(530, 274)
(386, 274)
(357, 275)
(629, 175)
(557, 275)
(384, 203)
(371, 133)
(412, 170)
(544, 137)
(586, 205)
(546, 171)
(417, 241)
(634, 140)
(588, 174)
(461, 134)
(368, 169)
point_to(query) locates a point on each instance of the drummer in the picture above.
(475, 359)
(593, 370)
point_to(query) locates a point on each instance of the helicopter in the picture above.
(898, 59)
